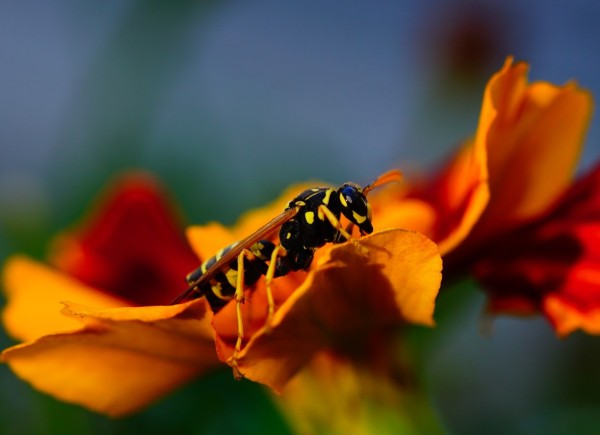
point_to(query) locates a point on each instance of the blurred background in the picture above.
(228, 103)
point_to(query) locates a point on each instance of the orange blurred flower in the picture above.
(491, 207)
(532, 248)
(119, 355)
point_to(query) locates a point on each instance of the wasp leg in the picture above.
(324, 212)
(239, 300)
(279, 251)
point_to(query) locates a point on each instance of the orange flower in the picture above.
(532, 247)
(346, 296)
(339, 303)
(131, 252)
(491, 207)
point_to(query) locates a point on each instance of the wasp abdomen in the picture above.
(221, 287)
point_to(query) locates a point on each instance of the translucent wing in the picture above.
(263, 232)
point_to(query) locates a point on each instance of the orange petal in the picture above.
(459, 194)
(392, 208)
(207, 240)
(534, 135)
(576, 303)
(445, 208)
(347, 297)
(122, 359)
(254, 311)
(467, 194)
(34, 292)
(567, 318)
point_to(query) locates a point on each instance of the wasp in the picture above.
(309, 221)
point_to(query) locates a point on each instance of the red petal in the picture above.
(132, 246)
(552, 265)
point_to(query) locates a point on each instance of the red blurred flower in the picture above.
(551, 265)
(131, 252)
(131, 245)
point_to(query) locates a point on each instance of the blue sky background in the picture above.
(262, 91)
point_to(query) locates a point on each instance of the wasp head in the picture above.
(355, 207)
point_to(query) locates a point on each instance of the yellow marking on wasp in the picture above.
(256, 250)
(218, 291)
(343, 201)
(314, 192)
(288, 235)
(328, 193)
(220, 254)
(231, 276)
(310, 217)
(358, 218)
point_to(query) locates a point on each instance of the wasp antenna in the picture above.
(387, 177)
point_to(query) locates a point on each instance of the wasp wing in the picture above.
(263, 232)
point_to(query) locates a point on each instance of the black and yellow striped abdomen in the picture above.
(220, 289)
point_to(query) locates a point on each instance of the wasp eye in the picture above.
(349, 193)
